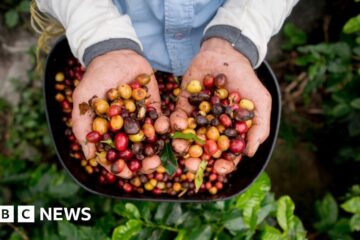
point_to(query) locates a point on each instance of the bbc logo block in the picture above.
(26, 214)
(6, 214)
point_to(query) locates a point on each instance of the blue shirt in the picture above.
(169, 30)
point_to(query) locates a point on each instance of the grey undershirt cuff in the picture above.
(239, 41)
(109, 45)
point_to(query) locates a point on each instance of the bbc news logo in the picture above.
(26, 214)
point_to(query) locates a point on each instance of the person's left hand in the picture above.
(218, 56)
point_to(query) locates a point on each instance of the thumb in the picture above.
(82, 125)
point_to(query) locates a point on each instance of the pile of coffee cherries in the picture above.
(131, 136)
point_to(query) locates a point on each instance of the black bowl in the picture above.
(247, 170)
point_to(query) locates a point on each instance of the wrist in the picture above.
(222, 46)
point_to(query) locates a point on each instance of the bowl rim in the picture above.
(158, 198)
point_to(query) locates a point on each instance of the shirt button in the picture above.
(179, 36)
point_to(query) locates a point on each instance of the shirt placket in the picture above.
(178, 21)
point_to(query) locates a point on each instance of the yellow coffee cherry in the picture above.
(212, 133)
(191, 123)
(93, 162)
(100, 106)
(125, 91)
(176, 187)
(100, 125)
(130, 106)
(221, 128)
(205, 106)
(137, 137)
(210, 117)
(176, 91)
(249, 123)
(153, 182)
(160, 169)
(189, 130)
(89, 169)
(116, 122)
(59, 77)
(201, 131)
(223, 143)
(247, 104)
(139, 94)
(190, 176)
(194, 86)
(222, 93)
(195, 151)
(217, 154)
(83, 163)
(148, 186)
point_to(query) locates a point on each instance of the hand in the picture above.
(218, 56)
(105, 72)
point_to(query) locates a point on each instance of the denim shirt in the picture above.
(169, 30)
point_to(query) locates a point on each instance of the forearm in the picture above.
(92, 27)
(249, 25)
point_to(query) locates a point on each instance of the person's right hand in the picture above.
(104, 72)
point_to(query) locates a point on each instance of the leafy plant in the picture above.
(14, 9)
(252, 215)
(332, 219)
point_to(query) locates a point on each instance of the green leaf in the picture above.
(355, 222)
(11, 18)
(285, 213)
(352, 205)
(234, 222)
(355, 103)
(199, 177)
(340, 110)
(127, 231)
(201, 233)
(24, 6)
(181, 235)
(271, 233)
(68, 231)
(295, 36)
(327, 211)
(168, 159)
(352, 25)
(127, 210)
(187, 136)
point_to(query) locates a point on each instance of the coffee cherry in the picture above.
(230, 132)
(143, 79)
(243, 115)
(210, 147)
(118, 166)
(121, 141)
(149, 130)
(134, 165)
(225, 120)
(93, 137)
(220, 80)
(59, 77)
(212, 133)
(247, 104)
(100, 106)
(149, 150)
(223, 143)
(222, 93)
(131, 126)
(127, 187)
(111, 155)
(195, 151)
(234, 97)
(126, 154)
(114, 110)
(125, 91)
(208, 81)
(237, 146)
(100, 125)
(201, 120)
(139, 94)
(137, 137)
(241, 127)
(194, 86)
(112, 94)
(205, 106)
(116, 123)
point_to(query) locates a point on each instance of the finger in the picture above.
(261, 126)
(82, 126)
